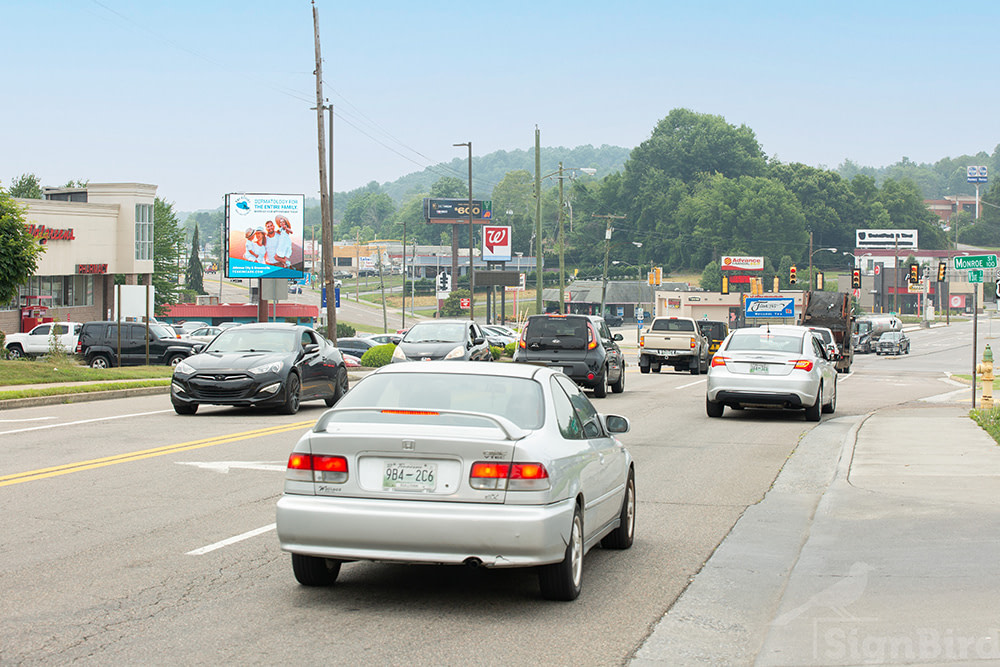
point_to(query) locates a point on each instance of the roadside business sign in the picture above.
(977, 174)
(497, 246)
(264, 236)
(885, 239)
(769, 306)
(731, 262)
(964, 262)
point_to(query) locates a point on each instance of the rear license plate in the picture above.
(409, 476)
(759, 368)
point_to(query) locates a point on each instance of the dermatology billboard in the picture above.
(264, 236)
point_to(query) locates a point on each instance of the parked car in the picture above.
(385, 338)
(204, 334)
(99, 344)
(356, 346)
(614, 320)
(495, 469)
(261, 365)
(498, 336)
(190, 325)
(893, 342)
(452, 340)
(783, 367)
(581, 346)
(41, 339)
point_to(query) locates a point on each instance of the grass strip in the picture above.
(60, 389)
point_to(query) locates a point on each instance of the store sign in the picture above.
(496, 244)
(44, 233)
(88, 269)
(743, 263)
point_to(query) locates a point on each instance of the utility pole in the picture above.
(562, 249)
(324, 194)
(607, 250)
(539, 260)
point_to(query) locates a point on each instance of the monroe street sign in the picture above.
(975, 262)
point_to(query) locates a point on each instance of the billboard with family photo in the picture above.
(264, 236)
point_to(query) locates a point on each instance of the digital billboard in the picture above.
(264, 236)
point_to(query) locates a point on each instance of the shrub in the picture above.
(496, 352)
(508, 350)
(345, 330)
(380, 355)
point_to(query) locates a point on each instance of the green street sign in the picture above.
(975, 275)
(975, 262)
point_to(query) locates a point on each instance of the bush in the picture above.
(345, 330)
(380, 355)
(496, 352)
(508, 350)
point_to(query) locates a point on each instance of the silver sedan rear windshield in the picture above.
(518, 399)
(764, 342)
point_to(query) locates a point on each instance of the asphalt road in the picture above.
(141, 536)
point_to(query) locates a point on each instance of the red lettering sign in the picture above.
(496, 236)
(465, 303)
(91, 268)
(44, 233)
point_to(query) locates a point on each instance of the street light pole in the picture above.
(562, 245)
(539, 260)
(472, 278)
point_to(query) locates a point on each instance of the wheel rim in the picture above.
(342, 382)
(293, 393)
(630, 509)
(576, 552)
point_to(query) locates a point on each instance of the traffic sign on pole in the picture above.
(963, 262)
(975, 275)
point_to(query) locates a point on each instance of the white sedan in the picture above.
(783, 367)
(444, 462)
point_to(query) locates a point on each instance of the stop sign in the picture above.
(878, 269)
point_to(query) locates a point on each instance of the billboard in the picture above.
(264, 236)
(885, 239)
(730, 262)
(456, 211)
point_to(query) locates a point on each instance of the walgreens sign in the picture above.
(497, 244)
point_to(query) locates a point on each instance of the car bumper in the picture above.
(424, 531)
(184, 393)
(780, 391)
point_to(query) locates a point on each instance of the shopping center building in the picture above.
(90, 234)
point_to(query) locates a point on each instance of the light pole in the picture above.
(811, 253)
(562, 238)
(472, 278)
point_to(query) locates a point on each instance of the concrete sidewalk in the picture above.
(876, 545)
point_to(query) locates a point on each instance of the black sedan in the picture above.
(266, 365)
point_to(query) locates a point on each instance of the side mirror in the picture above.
(311, 348)
(478, 341)
(617, 424)
(618, 336)
(198, 347)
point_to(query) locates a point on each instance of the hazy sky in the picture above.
(204, 98)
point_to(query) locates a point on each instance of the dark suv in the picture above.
(98, 344)
(581, 346)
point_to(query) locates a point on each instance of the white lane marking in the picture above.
(225, 466)
(690, 384)
(232, 540)
(29, 419)
(83, 421)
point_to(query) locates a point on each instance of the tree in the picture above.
(19, 250)
(26, 186)
(167, 237)
(371, 209)
(449, 187)
(194, 272)
(711, 277)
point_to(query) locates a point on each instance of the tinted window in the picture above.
(436, 332)
(42, 330)
(673, 325)
(242, 339)
(565, 332)
(585, 410)
(764, 342)
(566, 417)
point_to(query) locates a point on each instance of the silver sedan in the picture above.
(784, 367)
(494, 465)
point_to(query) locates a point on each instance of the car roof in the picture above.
(468, 367)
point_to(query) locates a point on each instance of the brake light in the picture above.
(520, 341)
(642, 340)
(490, 475)
(803, 364)
(719, 361)
(692, 343)
(409, 412)
(310, 468)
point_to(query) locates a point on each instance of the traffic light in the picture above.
(791, 275)
(942, 270)
(914, 273)
(725, 284)
(659, 275)
(856, 279)
(444, 282)
(819, 281)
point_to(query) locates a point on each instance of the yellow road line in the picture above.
(43, 473)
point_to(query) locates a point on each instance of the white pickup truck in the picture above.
(39, 340)
(673, 341)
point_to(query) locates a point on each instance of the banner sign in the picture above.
(769, 306)
(264, 236)
(885, 239)
(456, 211)
(743, 263)
(497, 246)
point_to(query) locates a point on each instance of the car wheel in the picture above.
(696, 369)
(342, 386)
(601, 383)
(185, 408)
(313, 571)
(714, 408)
(100, 361)
(15, 352)
(563, 581)
(655, 368)
(176, 359)
(643, 369)
(813, 411)
(622, 536)
(292, 398)
(831, 407)
(619, 386)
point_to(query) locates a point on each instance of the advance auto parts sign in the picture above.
(742, 263)
(769, 306)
